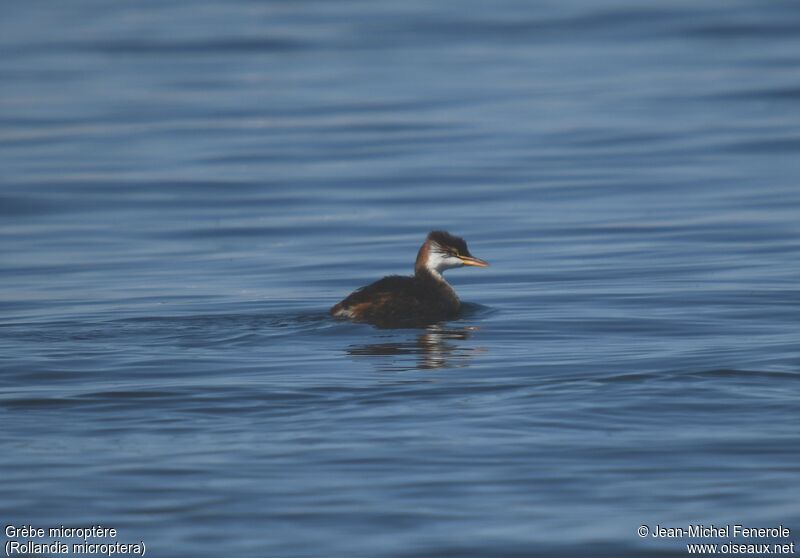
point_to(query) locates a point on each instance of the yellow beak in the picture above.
(477, 262)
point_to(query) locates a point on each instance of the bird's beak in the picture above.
(477, 262)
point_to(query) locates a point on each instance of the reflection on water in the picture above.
(438, 346)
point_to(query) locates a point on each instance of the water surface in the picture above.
(187, 187)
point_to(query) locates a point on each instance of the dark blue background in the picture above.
(186, 187)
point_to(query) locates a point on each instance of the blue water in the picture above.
(187, 187)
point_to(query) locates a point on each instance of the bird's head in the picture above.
(442, 251)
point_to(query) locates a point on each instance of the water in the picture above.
(187, 187)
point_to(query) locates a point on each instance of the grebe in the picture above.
(421, 299)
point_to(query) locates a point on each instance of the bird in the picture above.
(421, 299)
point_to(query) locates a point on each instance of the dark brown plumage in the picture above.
(424, 298)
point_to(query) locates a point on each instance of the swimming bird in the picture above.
(424, 298)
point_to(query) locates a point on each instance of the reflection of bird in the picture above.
(421, 299)
(436, 347)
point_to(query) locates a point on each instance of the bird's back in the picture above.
(397, 300)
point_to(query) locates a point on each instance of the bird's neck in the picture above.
(424, 264)
(428, 274)
(438, 284)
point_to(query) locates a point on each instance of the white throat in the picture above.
(439, 261)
